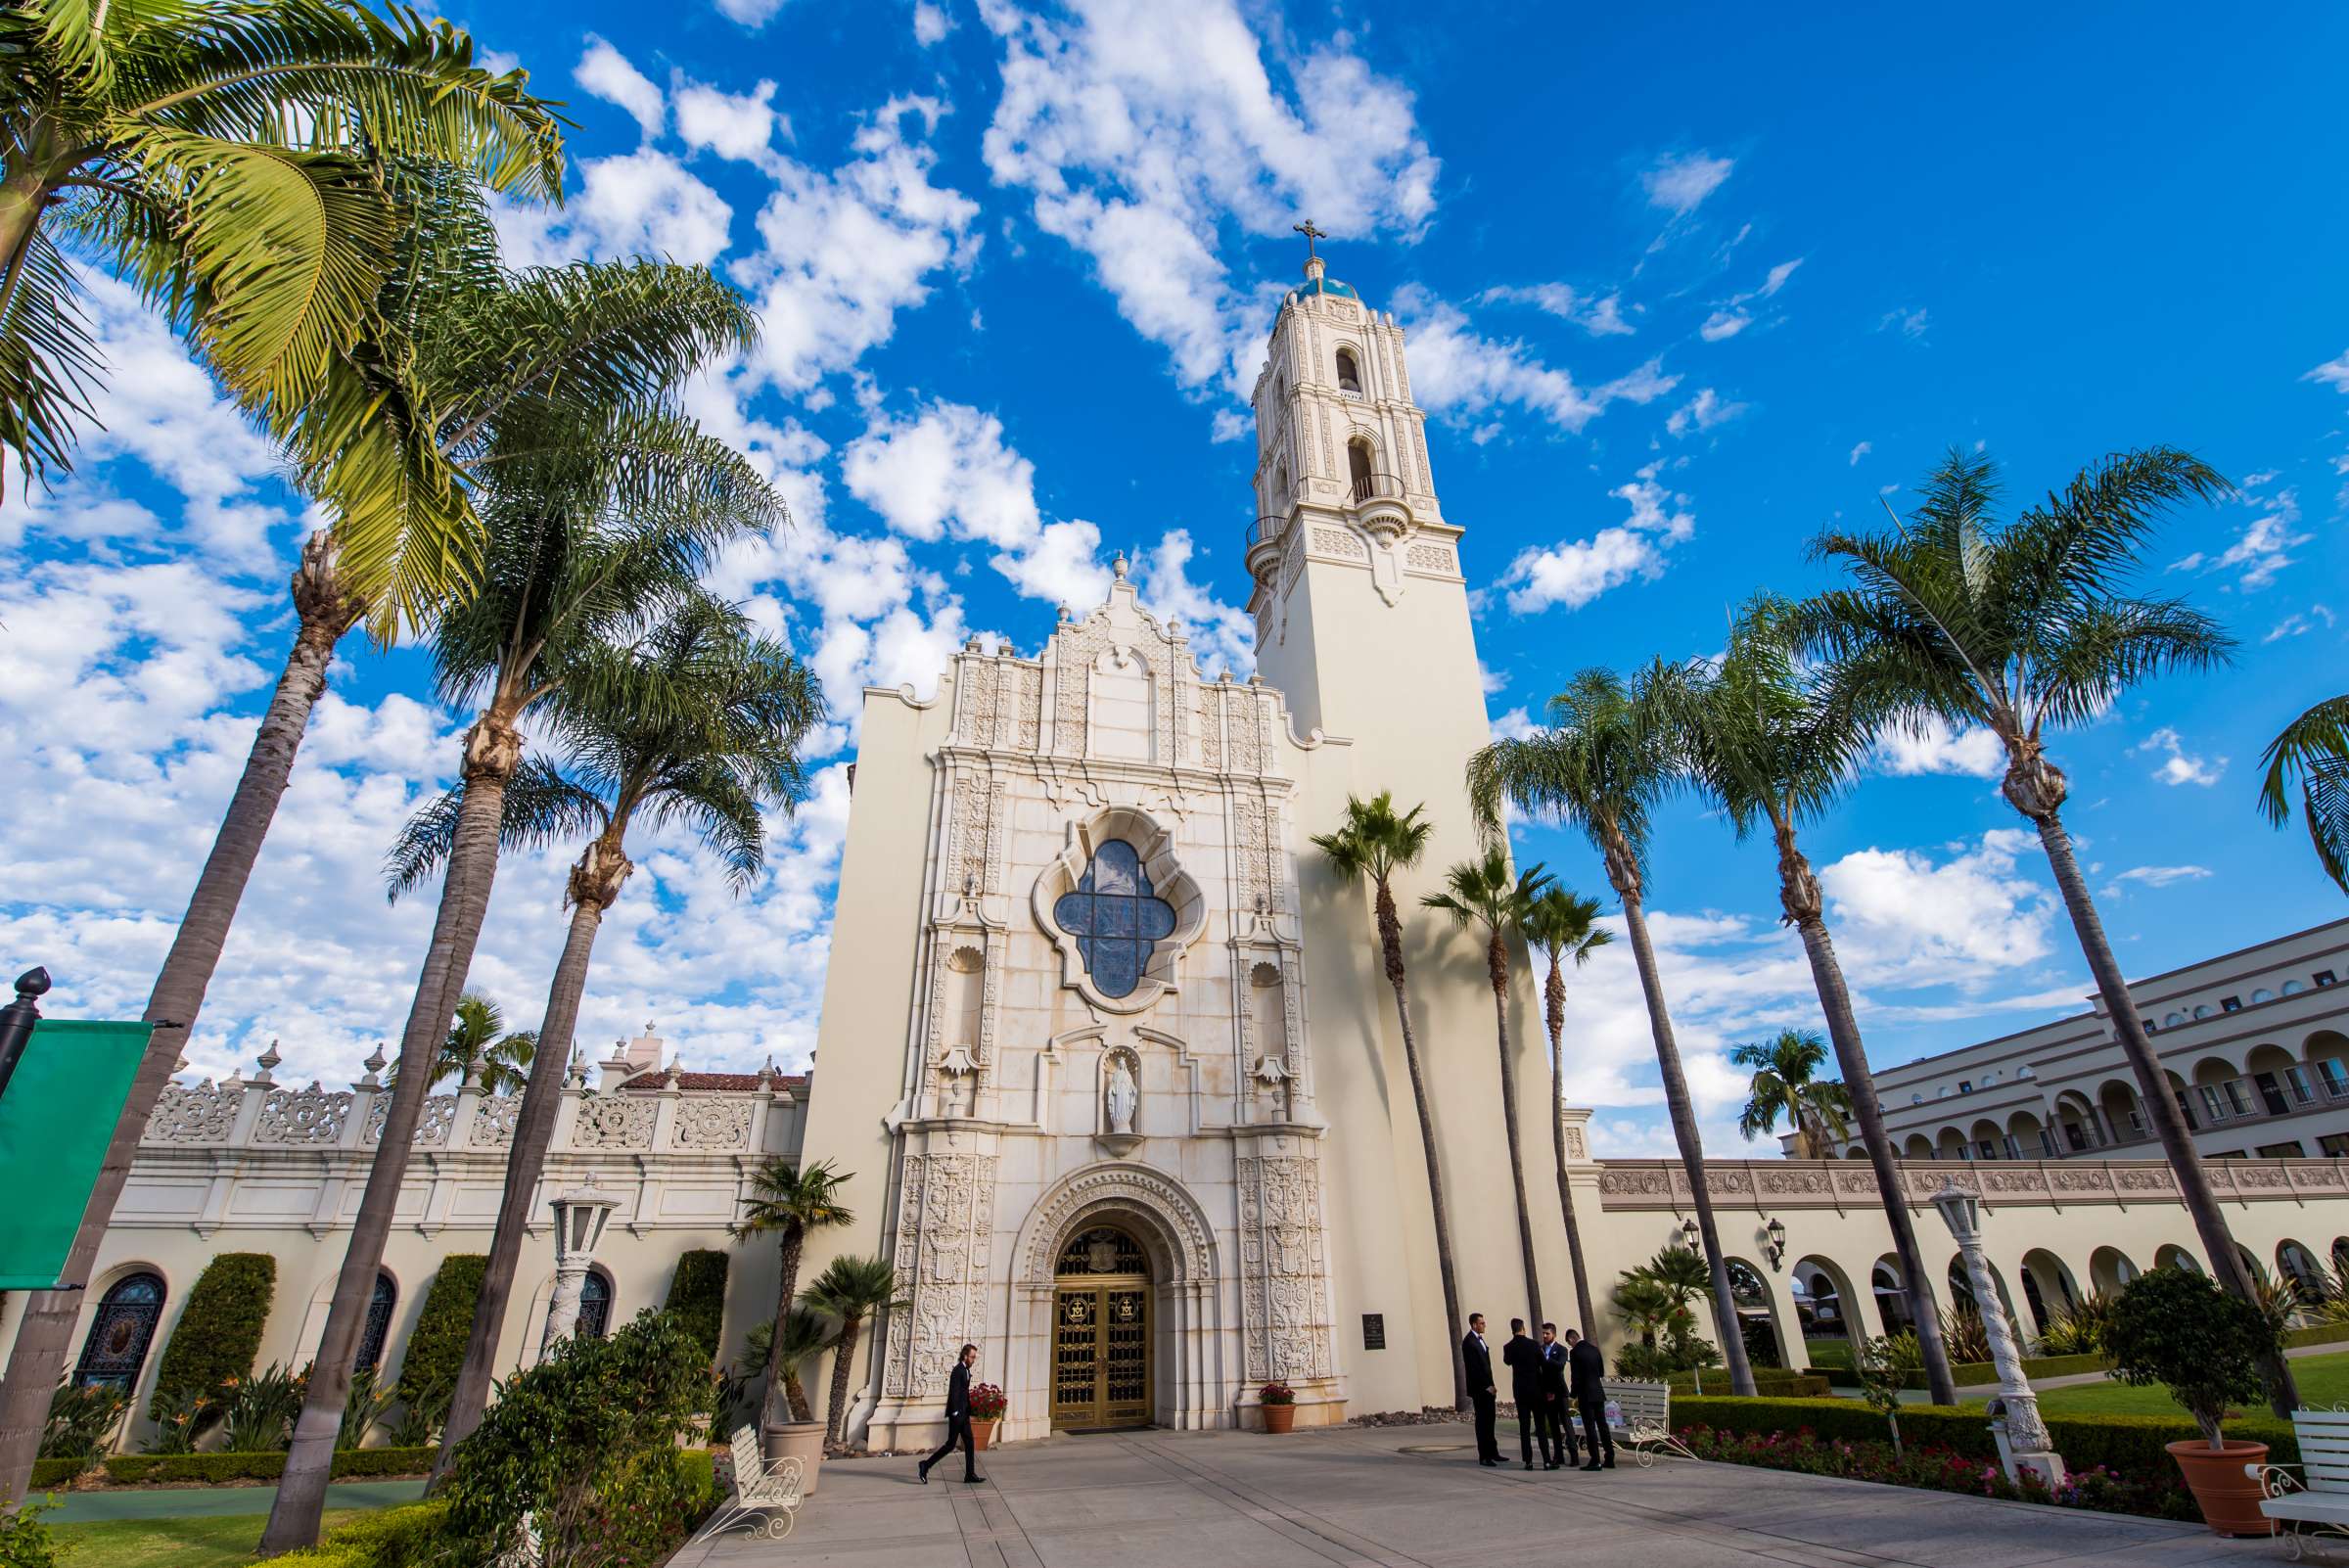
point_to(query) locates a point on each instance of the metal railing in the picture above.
(1377, 487)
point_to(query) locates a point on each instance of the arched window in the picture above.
(1358, 467)
(1116, 917)
(2171, 1019)
(1350, 377)
(121, 1333)
(595, 1305)
(2261, 995)
(378, 1327)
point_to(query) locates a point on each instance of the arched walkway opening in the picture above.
(2295, 1263)
(1755, 1321)
(1892, 1295)
(2109, 1271)
(1824, 1308)
(2173, 1256)
(2046, 1286)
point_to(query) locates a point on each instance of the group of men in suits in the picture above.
(1545, 1377)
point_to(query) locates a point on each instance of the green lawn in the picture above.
(169, 1543)
(2323, 1380)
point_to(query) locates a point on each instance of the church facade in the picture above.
(1105, 1044)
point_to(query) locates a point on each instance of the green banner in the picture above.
(55, 1121)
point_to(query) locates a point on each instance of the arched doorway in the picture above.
(1102, 1332)
(1755, 1321)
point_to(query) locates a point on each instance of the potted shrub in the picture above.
(1280, 1405)
(986, 1409)
(2181, 1330)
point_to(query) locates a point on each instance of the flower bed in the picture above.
(2153, 1495)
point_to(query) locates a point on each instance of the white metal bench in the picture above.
(767, 1497)
(1640, 1413)
(2320, 1495)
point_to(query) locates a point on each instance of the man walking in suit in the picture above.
(1556, 1430)
(1480, 1393)
(959, 1421)
(1524, 1358)
(1588, 1370)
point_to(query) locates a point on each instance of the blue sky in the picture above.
(1681, 288)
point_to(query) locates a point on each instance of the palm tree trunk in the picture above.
(2161, 1101)
(45, 1335)
(1851, 1058)
(1554, 995)
(1498, 965)
(836, 1417)
(1389, 939)
(782, 1398)
(491, 751)
(1691, 1143)
(534, 1131)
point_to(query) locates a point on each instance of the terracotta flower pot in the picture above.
(2227, 1497)
(983, 1432)
(799, 1440)
(1279, 1418)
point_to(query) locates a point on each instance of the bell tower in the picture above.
(1361, 613)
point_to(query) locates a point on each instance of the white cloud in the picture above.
(1733, 317)
(1678, 182)
(2155, 876)
(1908, 322)
(1702, 412)
(1573, 572)
(1861, 451)
(1456, 371)
(2179, 765)
(1515, 724)
(1145, 132)
(1724, 324)
(1222, 636)
(1930, 746)
(1899, 914)
(2298, 624)
(1602, 316)
(737, 126)
(931, 24)
(606, 73)
(2262, 548)
(2333, 373)
(636, 204)
(752, 14)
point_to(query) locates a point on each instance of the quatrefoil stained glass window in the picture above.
(1115, 917)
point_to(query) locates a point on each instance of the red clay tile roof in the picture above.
(740, 1083)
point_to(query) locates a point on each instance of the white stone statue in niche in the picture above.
(1124, 1095)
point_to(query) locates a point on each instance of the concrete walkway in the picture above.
(1414, 1497)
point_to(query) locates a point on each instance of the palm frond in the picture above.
(540, 806)
(2314, 749)
(49, 368)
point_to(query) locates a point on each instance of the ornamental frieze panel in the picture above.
(614, 1122)
(712, 1122)
(204, 1114)
(1837, 1183)
(946, 1231)
(1283, 1268)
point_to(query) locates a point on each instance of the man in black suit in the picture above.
(959, 1421)
(1557, 1429)
(1480, 1393)
(1588, 1370)
(1524, 1360)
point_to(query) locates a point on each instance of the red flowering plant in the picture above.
(1276, 1393)
(987, 1403)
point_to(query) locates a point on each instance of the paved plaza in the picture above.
(1400, 1497)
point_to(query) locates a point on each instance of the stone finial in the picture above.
(374, 1064)
(972, 644)
(1117, 565)
(268, 1061)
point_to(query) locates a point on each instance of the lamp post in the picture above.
(2023, 1436)
(16, 1020)
(1774, 1240)
(579, 1219)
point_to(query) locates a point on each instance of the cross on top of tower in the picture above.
(1311, 234)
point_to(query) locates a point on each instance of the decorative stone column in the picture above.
(2024, 1446)
(579, 1219)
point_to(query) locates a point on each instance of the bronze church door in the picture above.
(1101, 1333)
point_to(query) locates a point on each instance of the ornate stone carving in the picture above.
(967, 858)
(1245, 734)
(1135, 1189)
(1078, 647)
(1283, 1283)
(946, 1232)
(494, 1122)
(1340, 543)
(1027, 696)
(614, 1122)
(713, 1122)
(303, 1117)
(976, 701)
(432, 1127)
(1253, 854)
(204, 1114)
(1429, 558)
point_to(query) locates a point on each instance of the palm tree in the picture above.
(851, 1289)
(697, 727)
(1562, 925)
(595, 528)
(1481, 894)
(2313, 750)
(478, 1033)
(2023, 626)
(806, 1335)
(1374, 841)
(789, 1202)
(230, 158)
(1786, 1083)
(1602, 764)
(1772, 742)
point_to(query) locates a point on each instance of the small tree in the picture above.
(219, 1331)
(2181, 1330)
(851, 1290)
(1881, 1379)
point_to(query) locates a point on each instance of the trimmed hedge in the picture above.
(437, 1349)
(697, 1298)
(1770, 1382)
(52, 1473)
(125, 1469)
(393, 1538)
(2129, 1445)
(2319, 1334)
(219, 1330)
(1976, 1374)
